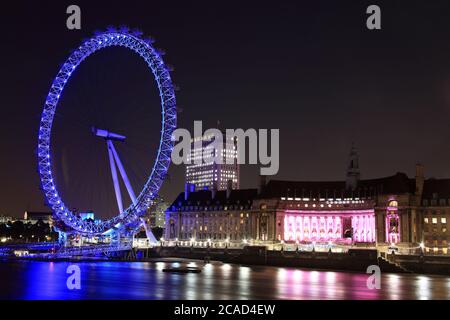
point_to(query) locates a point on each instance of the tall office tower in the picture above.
(210, 174)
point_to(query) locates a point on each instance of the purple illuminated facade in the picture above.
(327, 225)
(392, 223)
(316, 220)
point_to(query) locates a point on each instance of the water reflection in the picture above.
(208, 282)
(135, 280)
(423, 288)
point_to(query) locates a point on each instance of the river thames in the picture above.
(146, 280)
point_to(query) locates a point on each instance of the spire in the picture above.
(353, 174)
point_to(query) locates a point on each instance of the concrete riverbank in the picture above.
(354, 260)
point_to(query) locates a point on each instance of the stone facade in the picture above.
(411, 214)
(215, 216)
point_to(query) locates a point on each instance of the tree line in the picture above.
(18, 231)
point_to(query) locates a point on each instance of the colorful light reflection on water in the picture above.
(144, 280)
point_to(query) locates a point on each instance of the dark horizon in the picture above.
(313, 70)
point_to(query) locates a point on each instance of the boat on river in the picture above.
(182, 270)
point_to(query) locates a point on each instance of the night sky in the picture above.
(308, 68)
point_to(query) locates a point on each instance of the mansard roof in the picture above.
(436, 189)
(396, 184)
(399, 183)
(242, 197)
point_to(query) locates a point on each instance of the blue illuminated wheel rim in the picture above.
(152, 56)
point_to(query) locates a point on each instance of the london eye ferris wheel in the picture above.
(130, 216)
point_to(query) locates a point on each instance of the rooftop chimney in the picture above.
(188, 188)
(353, 174)
(229, 188)
(214, 190)
(262, 183)
(419, 179)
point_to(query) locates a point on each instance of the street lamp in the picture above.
(422, 246)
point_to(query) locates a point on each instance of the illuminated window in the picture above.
(444, 220)
(434, 220)
(426, 220)
(444, 250)
(393, 203)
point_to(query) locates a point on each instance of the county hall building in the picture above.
(396, 210)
